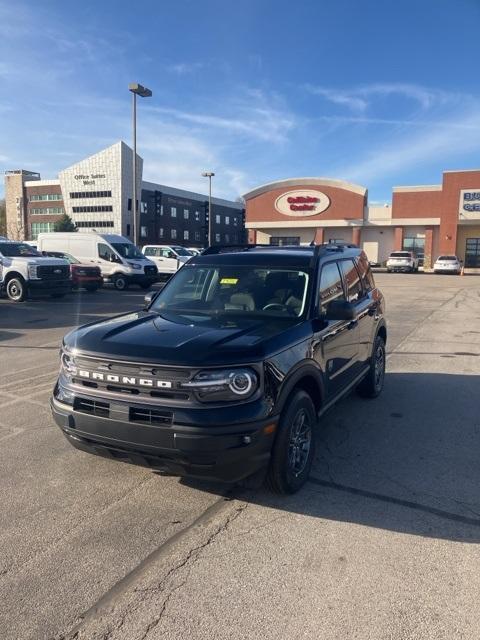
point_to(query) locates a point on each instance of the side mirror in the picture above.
(152, 295)
(340, 310)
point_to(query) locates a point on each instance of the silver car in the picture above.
(447, 264)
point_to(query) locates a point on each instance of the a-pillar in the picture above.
(398, 239)
(319, 235)
(428, 248)
(252, 236)
(356, 235)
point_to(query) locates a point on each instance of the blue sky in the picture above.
(378, 92)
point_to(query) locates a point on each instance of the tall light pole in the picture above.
(143, 92)
(209, 175)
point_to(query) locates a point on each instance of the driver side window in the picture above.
(331, 287)
(105, 253)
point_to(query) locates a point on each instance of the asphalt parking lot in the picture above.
(382, 543)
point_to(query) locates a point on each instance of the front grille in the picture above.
(93, 407)
(88, 271)
(150, 416)
(124, 369)
(56, 272)
(151, 271)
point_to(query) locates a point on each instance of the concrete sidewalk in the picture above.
(383, 543)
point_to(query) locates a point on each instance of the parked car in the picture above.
(119, 260)
(24, 271)
(83, 275)
(228, 369)
(447, 264)
(402, 261)
(421, 260)
(195, 251)
(168, 258)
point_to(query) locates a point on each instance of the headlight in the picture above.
(32, 272)
(223, 385)
(67, 364)
(136, 266)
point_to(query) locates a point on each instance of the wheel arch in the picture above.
(307, 378)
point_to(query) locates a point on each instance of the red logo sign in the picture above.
(302, 203)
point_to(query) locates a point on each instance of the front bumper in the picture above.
(226, 453)
(79, 281)
(49, 286)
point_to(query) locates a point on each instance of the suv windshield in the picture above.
(17, 250)
(212, 291)
(182, 252)
(127, 250)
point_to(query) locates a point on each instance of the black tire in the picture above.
(16, 289)
(91, 289)
(294, 447)
(57, 295)
(371, 386)
(120, 282)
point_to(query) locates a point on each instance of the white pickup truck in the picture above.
(24, 271)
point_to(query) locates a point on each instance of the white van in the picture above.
(168, 258)
(120, 262)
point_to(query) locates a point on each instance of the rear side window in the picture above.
(366, 275)
(150, 251)
(352, 279)
(331, 287)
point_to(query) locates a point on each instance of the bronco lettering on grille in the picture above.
(128, 380)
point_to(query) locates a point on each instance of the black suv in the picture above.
(227, 370)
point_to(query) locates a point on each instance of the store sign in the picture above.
(302, 202)
(469, 204)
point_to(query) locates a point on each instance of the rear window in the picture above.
(400, 254)
(452, 258)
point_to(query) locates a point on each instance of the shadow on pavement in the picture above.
(407, 462)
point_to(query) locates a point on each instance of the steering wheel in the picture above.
(274, 305)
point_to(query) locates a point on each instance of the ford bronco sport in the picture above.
(228, 369)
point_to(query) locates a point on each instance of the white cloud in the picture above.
(437, 142)
(358, 99)
(183, 68)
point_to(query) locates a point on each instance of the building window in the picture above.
(160, 232)
(89, 224)
(93, 208)
(472, 253)
(280, 241)
(416, 245)
(227, 237)
(186, 235)
(36, 197)
(47, 211)
(227, 219)
(143, 232)
(173, 234)
(235, 221)
(143, 207)
(91, 194)
(217, 237)
(186, 214)
(197, 216)
(173, 212)
(197, 235)
(217, 219)
(42, 227)
(128, 230)
(161, 209)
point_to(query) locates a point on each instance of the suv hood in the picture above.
(150, 338)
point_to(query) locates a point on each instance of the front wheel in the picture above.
(371, 386)
(16, 289)
(294, 446)
(120, 282)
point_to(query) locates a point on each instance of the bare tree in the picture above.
(3, 218)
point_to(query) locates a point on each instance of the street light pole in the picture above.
(209, 175)
(143, 92)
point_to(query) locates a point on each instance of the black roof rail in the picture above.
(230, 248)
